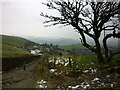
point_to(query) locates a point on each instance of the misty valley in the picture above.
(27, 64)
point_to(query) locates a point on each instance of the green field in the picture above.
(70, 47)
(13, 46)
(12, 51)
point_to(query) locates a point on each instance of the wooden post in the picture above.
(24, 66)
(70, 62)
(54, 61)
(47, 60)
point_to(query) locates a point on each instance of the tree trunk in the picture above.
(99, 57)
(98, 52)
(108, 55)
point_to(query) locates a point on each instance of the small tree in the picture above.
(88, 18)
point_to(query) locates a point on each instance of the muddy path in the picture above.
(20, 78)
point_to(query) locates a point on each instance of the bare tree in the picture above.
(88, 18)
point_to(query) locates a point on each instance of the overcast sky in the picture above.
(22, 17)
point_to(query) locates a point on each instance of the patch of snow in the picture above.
(116, 67)
(61, 72)
(96, 79)
(61, 61)
(42, 81)
(41, 84)
(102, 84)
(52, 70)
(86, 71)
(77, 66)
(56, 73)
(66, 64)
(92, 82)
(86, 86)
(51, 61)
(58, 86)
(111, 85)
(91, 63)
(69, 86)
(77, 86)
(73, 87)
(93, 70)
(108, 76)
(40, 54)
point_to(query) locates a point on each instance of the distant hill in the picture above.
(55, 41)
(14, 46)
(70, 47)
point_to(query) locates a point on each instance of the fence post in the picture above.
(54, 61)
(24, 66)
(70, 62)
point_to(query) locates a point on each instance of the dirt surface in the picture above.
(20, 78)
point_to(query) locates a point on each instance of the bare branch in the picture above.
(88, 18)
(115, 35)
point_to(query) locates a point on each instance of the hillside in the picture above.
(19, 47)
(16, 41)
(14, 46)
(18, 51)
(52, 40)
